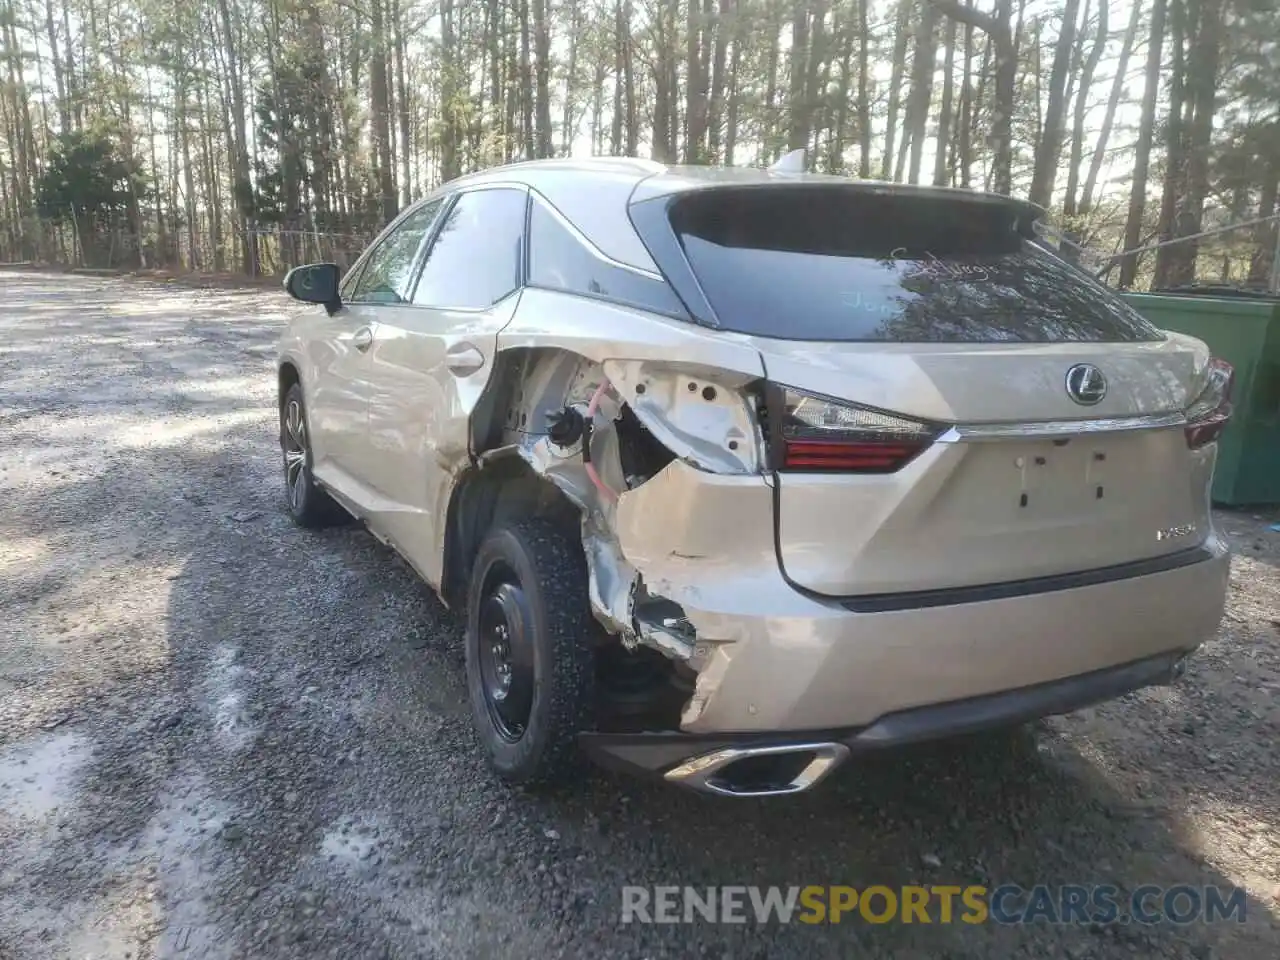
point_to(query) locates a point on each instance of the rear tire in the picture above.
(530, 667)
(309, 505)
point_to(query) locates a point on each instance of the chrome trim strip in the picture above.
(700, 772)
(962, 432)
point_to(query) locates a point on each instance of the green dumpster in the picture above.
(1245, 331)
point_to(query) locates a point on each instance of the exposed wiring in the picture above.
(586, 441)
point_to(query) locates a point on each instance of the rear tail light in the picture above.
(1208, 415)
(818, 433)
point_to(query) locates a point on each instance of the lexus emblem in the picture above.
(1085, 384)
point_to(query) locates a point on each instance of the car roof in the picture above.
(593, 193)
(661, 178)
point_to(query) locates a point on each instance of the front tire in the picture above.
(530, 667)
(309, 505)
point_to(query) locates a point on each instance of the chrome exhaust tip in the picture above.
(771, 771)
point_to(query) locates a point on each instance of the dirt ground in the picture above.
(221, 736)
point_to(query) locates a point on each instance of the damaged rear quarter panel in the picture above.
(705, 541)
(602, 332)
(698, 531)
(700, 415)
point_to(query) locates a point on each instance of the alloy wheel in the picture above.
(294, 440)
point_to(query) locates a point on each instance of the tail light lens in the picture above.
(818, 433)
(1208, 415)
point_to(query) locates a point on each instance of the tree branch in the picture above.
(976, 18)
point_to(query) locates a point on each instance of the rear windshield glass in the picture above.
(810, 263)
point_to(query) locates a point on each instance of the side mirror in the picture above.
(315, 283)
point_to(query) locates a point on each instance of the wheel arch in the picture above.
(484, 495)
(287, 375)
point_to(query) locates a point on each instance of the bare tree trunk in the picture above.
(567, 130)
(901, 38)
(1082, 103)
(842, 33)
(734, 104)
(162, 233)
(323, 172)
(945, 162)
(619, 53)
(597, 112)
(21, 136)
(864, 92)
(402, 105)
(493, 46)
(69, 69)
(1113, 102)
(797, 106)
(238, 143)
(1177, 264)
(965, 147)
(1266, 235)
(715, 123)
(1142, 153)
(695, 129)
(817, 71)
(629, 85)
(770, 123)
(290, 172)
(380, 107)
(1175, 137)
(449, 166)
(39, 148)
(996, 27)
(542, 73)
(921, 95)
(1049, 149)
(665, 88)
(182, 133)
(213, 197)
(673, 80)
(526, 85)
(64, 103)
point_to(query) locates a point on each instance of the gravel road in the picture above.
(221, 736)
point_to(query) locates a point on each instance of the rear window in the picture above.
(811, 263)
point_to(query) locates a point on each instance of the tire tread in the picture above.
(560, 595)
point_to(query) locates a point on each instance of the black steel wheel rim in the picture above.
(506, 653)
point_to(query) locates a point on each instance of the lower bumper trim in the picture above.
(951, 596)
(687, 757)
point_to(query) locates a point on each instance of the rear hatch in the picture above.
(952, 405)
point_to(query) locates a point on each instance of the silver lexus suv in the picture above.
(737, 473)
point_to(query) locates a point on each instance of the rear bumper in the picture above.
(662, 752)
(772, 660)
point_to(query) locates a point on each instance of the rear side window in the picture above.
(560, 259)
(474, 260)
(812, 263)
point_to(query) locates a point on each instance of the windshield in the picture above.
(811, 263)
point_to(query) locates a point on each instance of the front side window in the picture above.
(387, 276)
(474, 260)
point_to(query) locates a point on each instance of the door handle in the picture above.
(362, 340)
(463, 359)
